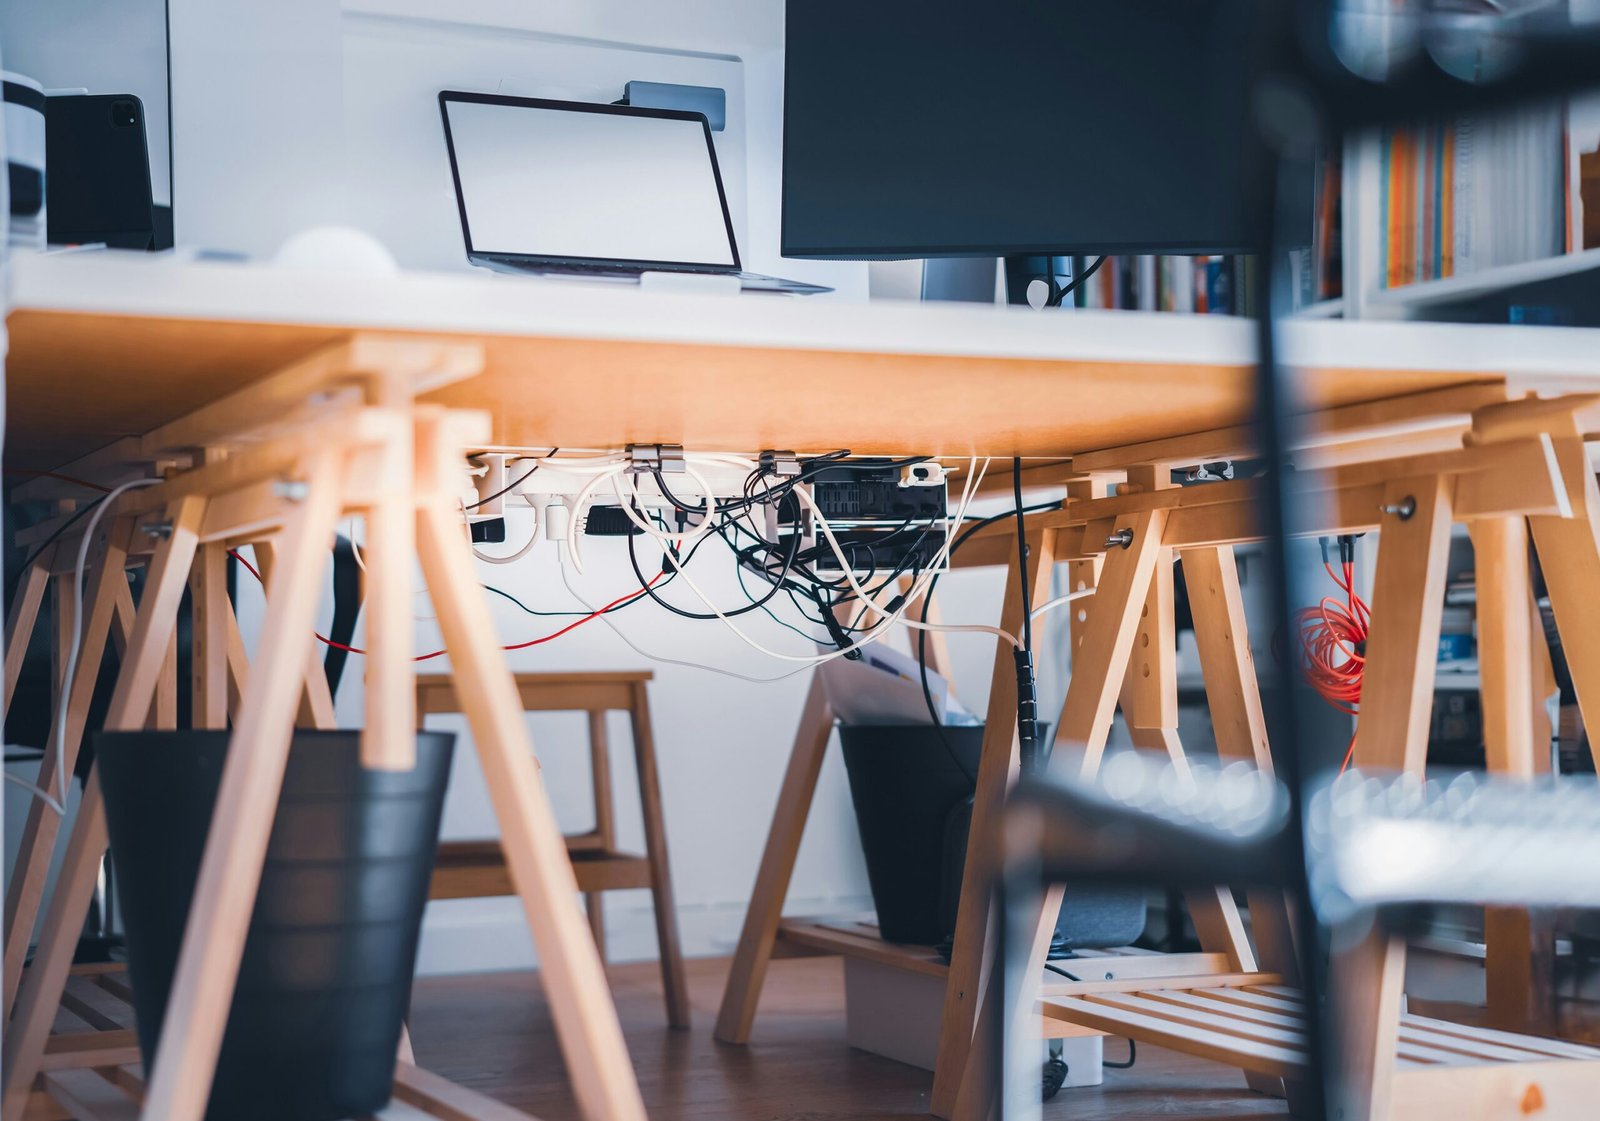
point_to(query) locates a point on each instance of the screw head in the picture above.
(1403, 509)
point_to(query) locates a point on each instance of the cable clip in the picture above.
(1217, 472)
(784, 464)
(647, 459)
(926, 473)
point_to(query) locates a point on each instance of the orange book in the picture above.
(1447, 204)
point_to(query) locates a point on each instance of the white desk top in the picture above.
(119, 283)
(128, 338)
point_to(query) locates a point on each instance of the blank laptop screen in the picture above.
(588, 185)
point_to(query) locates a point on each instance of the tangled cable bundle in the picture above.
(1333, 640)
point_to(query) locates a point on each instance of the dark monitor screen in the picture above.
(917, 128)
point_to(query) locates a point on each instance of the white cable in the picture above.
(579, 504)
(618, 631)
(75, 649)
(686, 537)
(533, 539)
(938, 565)
(583, 466)
(354, 548)
(1060, 601)
(873, 633)
(975, 477)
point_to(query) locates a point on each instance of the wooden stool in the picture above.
(477, 869)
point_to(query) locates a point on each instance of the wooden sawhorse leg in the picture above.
(765, 911)
(1519, 961)
(673, 982)
(21, 617)
(750, 960)
(1100, 661)
(1366, 980)
(535, 851)
(1150, 709)
(40, 993)
(605, 824)
(1233, 695)
(105, 597)
(998, 765)
(1512, 655)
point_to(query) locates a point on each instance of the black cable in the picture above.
(1027, 690)
(1076, 283)
(633, 561)
(1133, 1055)
(927, 600)
(922, 635)
(508, 489)
(532, 611)
(738, 572)
(59, 530)
(1022, 554)
(1133, 1048)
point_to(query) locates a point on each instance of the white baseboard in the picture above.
(490, 935)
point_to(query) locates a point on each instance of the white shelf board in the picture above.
(1471, 285)
(1322, 309)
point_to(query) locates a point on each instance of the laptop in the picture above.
(572, 188)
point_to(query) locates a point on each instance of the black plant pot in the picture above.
(326, 974)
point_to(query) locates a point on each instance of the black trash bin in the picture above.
(904, 786)
(913, 792)
(326, 974)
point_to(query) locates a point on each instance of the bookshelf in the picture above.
(1475, 220)
(1419, 297)
(1368, 289)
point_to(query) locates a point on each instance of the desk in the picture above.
(127, 342)
(106, 349)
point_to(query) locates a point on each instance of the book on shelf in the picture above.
(1204, 285)
(1583, 172)
(1474, 193)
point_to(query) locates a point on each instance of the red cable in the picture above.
(56, 475)
(1333, 638)
(324, 639)
(618, 602)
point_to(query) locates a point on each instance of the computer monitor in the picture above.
(926, 128)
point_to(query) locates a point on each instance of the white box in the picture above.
(895, 1013)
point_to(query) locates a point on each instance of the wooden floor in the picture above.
(493, 1033)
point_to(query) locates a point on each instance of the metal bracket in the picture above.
(784, 464)
(644, 459)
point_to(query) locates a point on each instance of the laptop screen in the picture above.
(587, 182)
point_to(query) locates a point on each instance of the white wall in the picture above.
(257, 129)
(723, 744)
(107, 46)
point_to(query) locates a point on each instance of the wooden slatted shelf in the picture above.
(854, 936)
(1119, 968)
(1260, 1027)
